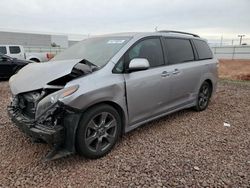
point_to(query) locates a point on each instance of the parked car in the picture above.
(108, 85)
(17, 51)
(9, 65)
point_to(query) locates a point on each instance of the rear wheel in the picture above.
(204, 96)
(98, 131)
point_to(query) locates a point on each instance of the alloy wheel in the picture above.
(204, 95)
(101, 132)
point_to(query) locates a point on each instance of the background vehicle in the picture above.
(17, 51)
(108, 85)
(9, 65)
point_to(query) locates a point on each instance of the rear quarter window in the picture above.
(179, 50)
(3, 50)
(15, 49)
(203, 50)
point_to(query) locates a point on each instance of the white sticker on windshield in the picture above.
(115, 41)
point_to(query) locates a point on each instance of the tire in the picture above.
(204, 96)
(98, 131)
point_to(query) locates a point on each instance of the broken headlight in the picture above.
(50, 101)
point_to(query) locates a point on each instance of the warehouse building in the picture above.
(30, 39)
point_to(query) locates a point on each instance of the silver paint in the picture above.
(142, 96)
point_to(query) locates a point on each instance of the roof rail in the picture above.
(179, 32)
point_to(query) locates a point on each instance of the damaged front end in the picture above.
(42, 116)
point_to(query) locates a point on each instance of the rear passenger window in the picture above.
(3, 50)
(179, 50)
(203, 50)
(15, 49)
(149, 49)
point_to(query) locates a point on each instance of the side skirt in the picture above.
(188, 105)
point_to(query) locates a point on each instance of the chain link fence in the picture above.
(232, 52)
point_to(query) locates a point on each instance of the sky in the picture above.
(208, 18)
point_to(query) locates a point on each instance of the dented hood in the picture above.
(36, 75)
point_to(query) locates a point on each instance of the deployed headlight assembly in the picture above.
(50, 100)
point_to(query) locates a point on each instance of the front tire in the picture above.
(204, 96)
(98, 131)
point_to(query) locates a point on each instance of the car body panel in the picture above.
(37, 75)
(9, 66)
(139, 89)
(140, 96)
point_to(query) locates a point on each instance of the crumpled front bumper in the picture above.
(61, 137)
(52, 135)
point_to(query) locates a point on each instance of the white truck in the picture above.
(18, 51)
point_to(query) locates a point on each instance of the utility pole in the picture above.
(241, 38)
(221, 40)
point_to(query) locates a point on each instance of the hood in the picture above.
(36, 75)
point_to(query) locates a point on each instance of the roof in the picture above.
(156, 33)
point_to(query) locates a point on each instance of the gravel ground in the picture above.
(185, 149)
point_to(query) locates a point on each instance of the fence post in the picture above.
(233, 53)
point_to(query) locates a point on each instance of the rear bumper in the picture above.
(51, 135)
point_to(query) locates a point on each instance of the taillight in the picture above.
(49, 56)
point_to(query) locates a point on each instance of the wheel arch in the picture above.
(36, 59)
(211, 79)
(116, 106)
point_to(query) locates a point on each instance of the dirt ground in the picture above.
(185, 149)
(234, 69)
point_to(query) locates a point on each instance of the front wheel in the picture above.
(204, 96)
(98, 131)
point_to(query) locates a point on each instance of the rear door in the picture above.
(146, 90)
(185, 71)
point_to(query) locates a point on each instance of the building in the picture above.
(30, 39)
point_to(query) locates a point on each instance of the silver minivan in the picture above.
(85, 98)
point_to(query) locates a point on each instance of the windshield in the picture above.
(98, 50)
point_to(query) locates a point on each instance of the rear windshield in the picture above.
(98, 50)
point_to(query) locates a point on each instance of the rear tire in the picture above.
(98, 131)
(204, 96)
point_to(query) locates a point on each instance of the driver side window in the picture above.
(149, 49)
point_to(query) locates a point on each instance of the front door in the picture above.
(146, 90)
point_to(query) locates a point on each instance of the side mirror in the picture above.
(138, 64)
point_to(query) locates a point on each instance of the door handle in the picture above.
(176, 71)
(164, 74)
